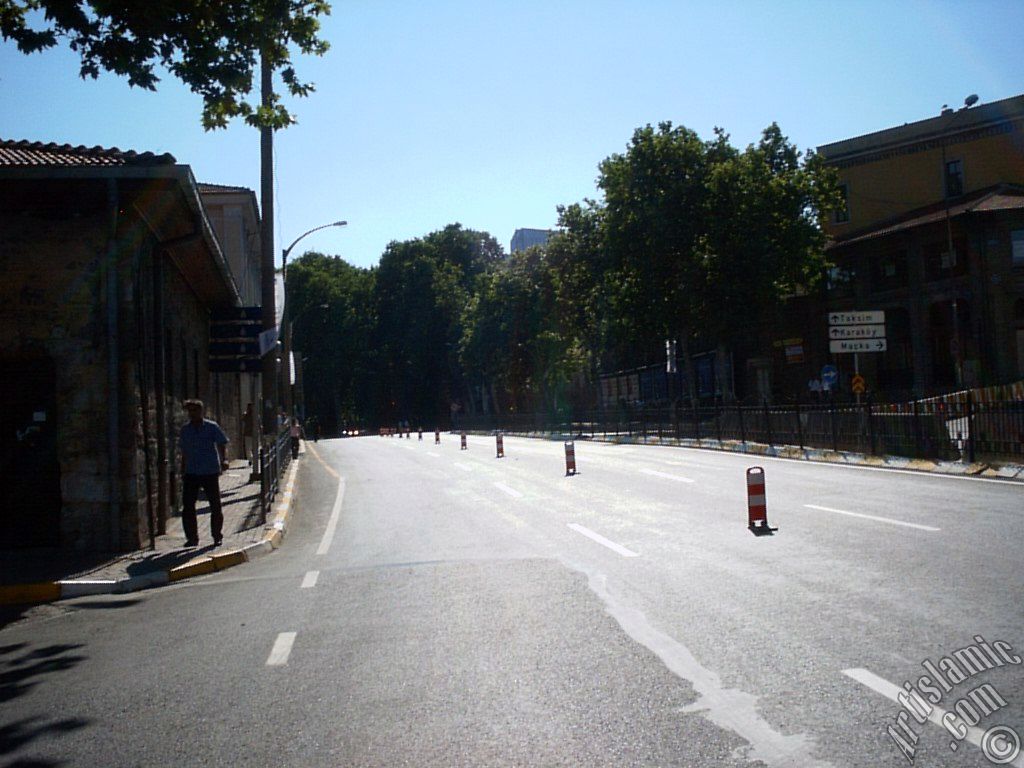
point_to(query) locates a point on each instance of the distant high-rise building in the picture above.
(525, 238)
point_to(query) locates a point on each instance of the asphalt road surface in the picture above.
(439, 607)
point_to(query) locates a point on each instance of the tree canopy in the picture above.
(694, 240)
(212, 46)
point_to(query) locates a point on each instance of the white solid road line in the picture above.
(602, 540)
(510, 491)
(667, 476)
(463, 467)
(434, 455)
(873, 517)
(325, 542)
(309, 580)
(282, 649)
(880, 685)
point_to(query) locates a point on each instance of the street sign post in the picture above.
(856, 318)
(848, 346)
(235, 340)
(829, 375)
(855, 332)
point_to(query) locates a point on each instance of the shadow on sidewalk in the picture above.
(165, 560)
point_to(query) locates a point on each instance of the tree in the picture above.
(333, 328)
(422, 288)
(654, 215)
(518, 332)
(762, 240)
(212, 46)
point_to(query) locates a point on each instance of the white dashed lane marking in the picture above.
(877, 519)
(602, 540)
(281, 650)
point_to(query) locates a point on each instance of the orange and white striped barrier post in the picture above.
(757, 507)
(437, 437)
(570, 458)
(463, 437)
(499, 445)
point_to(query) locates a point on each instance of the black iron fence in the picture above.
(273, 460)
(945, 429)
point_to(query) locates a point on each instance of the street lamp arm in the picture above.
(314, 229)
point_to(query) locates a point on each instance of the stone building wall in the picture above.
(53, 307)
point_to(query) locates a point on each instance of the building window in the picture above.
(1017, 241)
(840, 281)
(889, 270)
(842, 213)
(954, 178)
(939, 263)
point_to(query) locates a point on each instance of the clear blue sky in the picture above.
(492, 113)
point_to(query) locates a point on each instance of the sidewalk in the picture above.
(41, 575)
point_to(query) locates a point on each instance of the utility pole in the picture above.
(267, 277)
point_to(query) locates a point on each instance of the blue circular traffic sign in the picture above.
(829, 374)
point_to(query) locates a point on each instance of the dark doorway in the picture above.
(30, 487)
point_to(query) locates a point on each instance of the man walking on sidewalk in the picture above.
(202, 461)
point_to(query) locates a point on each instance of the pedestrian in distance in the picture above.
(203, 458)
(295, 433)
(248, 422)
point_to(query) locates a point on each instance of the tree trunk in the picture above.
(691, 370)
(723, 373)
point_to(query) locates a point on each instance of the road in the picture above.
(438, 606)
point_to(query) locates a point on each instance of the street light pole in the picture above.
(958, 352)
(286, 329)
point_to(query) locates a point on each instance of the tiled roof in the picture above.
(206, 188)
(1002, 198)
(26, 153)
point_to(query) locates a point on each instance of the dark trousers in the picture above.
(211, 486)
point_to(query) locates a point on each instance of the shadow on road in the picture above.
(21, 669)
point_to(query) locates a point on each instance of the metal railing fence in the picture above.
(953, 429)
(273, 460)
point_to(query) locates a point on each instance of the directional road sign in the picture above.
(857, 345)
(856, 332)
(856, 318)
(829, 375)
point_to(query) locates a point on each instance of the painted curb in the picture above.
(48, 592)
(199, 567)
(19, 594)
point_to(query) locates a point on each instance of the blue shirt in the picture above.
(199, 444)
